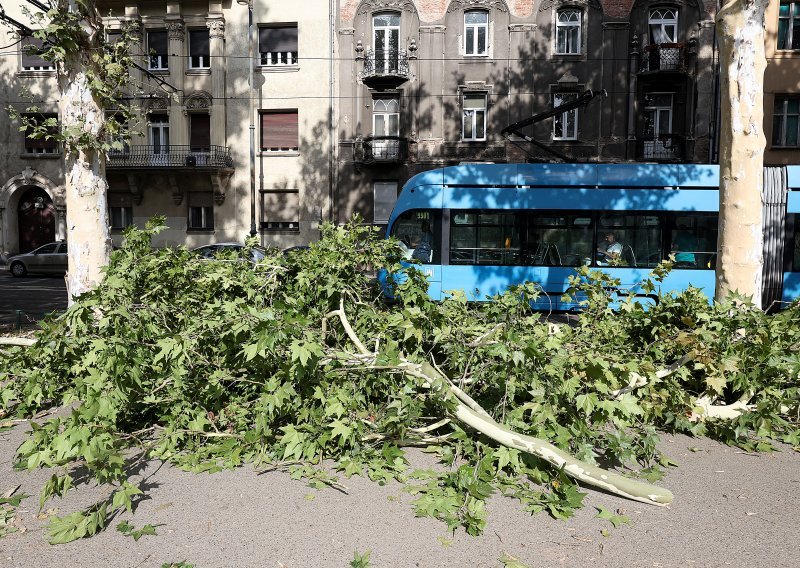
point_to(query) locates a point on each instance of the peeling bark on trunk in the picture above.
(88, 233)
(740, 25)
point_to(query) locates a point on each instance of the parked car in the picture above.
(211, 251)
(47, 259)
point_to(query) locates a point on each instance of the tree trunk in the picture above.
(740, 26)
(88, 233)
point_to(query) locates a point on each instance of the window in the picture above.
(385, 196)
(279, 131)
(280, 210)
(157, 51)
(786, 121)
(629, 240)
(386, 123)
(44, 144)
(199, 132)
(386, 42)
(278, 44)
(120, 212)
(568, 32)
(789, 25)
(420, 231)
(693, 240)
(557, 239)
(476, 32)
(474, 120)
(199, 53)
(658, 138)
(31, 48)
(201, 211)
(565, 124)
(663, 26)
(485, 237)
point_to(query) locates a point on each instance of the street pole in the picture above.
(250, 44)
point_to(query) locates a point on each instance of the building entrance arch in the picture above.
(36, 219)
(32, 212)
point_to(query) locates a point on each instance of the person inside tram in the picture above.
(423, 244)
(684, 243)
(611, 251)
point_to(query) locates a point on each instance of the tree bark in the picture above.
(81, 113)
(740, 26)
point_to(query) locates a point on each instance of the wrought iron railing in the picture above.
(663, 147)
(385, 62)
(663, 57)
(171, 156)
(381, 149)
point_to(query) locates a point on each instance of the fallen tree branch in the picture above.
(473, 415)
(17, 341)
(705, 409)
(637, 380)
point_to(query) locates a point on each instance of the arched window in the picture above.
(663, 26)
(568, 31)
(476, 32)
(386, 41)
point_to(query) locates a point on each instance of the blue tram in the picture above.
(480, 228)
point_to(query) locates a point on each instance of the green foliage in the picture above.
(211, 365)
(361, 560)
(74, 40)
(616, 519)
(129, 530)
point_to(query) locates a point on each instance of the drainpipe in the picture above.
(251, 56)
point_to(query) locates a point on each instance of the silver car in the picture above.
(47, 259)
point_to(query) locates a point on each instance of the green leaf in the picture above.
(615, 519)
(509, 561)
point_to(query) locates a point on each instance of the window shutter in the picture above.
(200, 131)
(31, 47)
(198, 43)
(157, 43)
(279, 131)
(278, 39)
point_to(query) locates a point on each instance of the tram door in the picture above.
(36, 219)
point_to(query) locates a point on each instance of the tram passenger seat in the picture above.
(628, 257)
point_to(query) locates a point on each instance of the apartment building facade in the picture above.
(351, 98)
(432, 83)
(189, 155)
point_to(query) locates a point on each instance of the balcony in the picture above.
(213, 158)
(380, 149)
(385, 69)
(664, 57)
(662, 148)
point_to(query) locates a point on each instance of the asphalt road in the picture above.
(33, 295)
(731, 509)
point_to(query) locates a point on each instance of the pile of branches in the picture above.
(300, 359)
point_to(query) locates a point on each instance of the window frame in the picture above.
(473, 51)
(567, 27)
(206, 218)
(284, 58)
(33, 42)
(162, 59)
(269, 150)
(651, 21)
(474, 112)
(565, 116)
(126, 216)
(203, 64)
(793, 20)
(785, 99)
(40, 146)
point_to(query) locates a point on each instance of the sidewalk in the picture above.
(730, 509)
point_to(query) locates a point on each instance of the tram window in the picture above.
(420, 232)
(693, 241)
(485, 238)
(629, 240)
(563, 240)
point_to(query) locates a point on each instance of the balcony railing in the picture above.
(213, 157)
(385, 69)
(380, 149)
(662, 148)
(664, 57)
